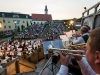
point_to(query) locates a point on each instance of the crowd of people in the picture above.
(7, 33)
(31, 32)
(54, 31)
(35, 30)
(88, 65)
(10, 50)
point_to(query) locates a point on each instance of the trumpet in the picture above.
(78, 46)
(67, 51)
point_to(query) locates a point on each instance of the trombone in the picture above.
(69, 52)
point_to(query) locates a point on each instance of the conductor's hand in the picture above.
(64, 60)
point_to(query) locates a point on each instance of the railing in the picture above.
(14, 67)
(95, 7)
(3, 71)
(9, 63)
(92, 16)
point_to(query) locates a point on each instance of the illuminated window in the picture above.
(0, 24)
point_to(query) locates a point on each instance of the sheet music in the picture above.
(64, 38)
(55, 43)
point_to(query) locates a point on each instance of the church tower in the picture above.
(46, 10)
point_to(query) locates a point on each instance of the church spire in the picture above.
(46, 9)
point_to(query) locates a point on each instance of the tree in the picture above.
(18, 29)
(75, 28)
(22, 27)
(67, 29)
(34, 23)
(31, 23)
(27, 24)
(79, 20)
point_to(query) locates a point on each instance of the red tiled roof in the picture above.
(42, 17)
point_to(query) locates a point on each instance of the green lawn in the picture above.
(3, 38)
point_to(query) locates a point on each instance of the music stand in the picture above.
(52, 64)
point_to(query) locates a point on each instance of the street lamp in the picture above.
(68, 27)
(71, 25)
(71, 22)
(64, 22)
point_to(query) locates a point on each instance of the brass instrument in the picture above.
(79, 46)
(67, 51)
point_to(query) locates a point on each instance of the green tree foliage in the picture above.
(18, 29)
(27, 24)
(31, 23)
(22, 27)
(67, 29)
(75, 28)
(79, 20)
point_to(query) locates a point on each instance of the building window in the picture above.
(23, 26)
(18, 21)
(26, 21)
(4, 21)
(4, 27)
(30, 22)
(8, 21)
(26, 16)
(9, 27)
(14, 16)
(15, 26)
(17, 16)
(23, 21)
(41, 22)
(14, 20)
(3, 15)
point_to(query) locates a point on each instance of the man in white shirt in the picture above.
(78, 40)
(92, 56)
(82, 39)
